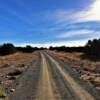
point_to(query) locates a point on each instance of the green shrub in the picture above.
(3, 93)
(7, 49)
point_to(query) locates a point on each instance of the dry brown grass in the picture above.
(12, 66)
(3, 93)
(89, 70)
(23, 57)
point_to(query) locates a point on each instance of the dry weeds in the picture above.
(88, 70)
(12, 66)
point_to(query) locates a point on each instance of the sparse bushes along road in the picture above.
(6, 49)
(9, 48)
(92, 48)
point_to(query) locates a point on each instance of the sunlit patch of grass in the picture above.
(3, 93)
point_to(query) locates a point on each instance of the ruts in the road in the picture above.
(51, 82)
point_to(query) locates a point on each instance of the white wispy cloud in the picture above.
(67, 18)
(61, 18)
(91, 13)
(75, 32)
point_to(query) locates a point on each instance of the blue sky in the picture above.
(49, 22)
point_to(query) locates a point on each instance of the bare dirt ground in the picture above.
(48, 78)
(46, 84)
(45, 77)
(11, 68)
(88, 70)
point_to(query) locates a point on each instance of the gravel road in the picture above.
(48, 79)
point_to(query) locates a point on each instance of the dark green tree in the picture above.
(6, 49)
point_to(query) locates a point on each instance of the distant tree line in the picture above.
(92, 47)
(6, 49)
(9, 48)
(68, 49)
(27, 49)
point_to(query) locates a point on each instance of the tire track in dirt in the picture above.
(46, 79)
(27, 83)
(80, 93)
(46, 84)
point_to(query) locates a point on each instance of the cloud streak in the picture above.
(73, 24)
(75, 32)
(91, 13)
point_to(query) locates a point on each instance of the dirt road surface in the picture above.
(48, 79)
